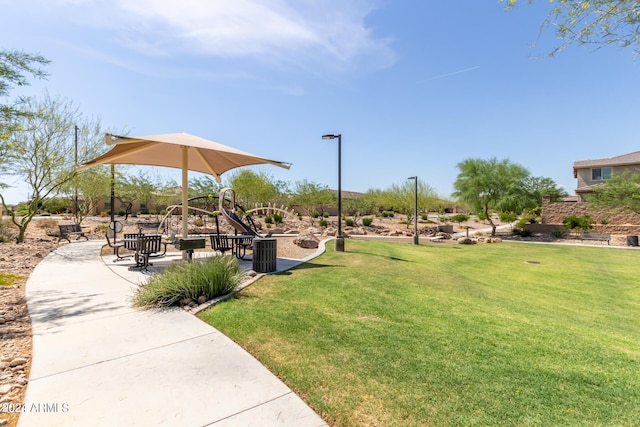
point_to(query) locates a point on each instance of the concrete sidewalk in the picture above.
(99, 362)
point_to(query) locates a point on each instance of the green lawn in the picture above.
(451, 335)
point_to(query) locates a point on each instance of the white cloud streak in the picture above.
(289, 33)
(442, 76)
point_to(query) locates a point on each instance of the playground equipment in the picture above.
(233, 213)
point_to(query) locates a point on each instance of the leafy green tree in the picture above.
(41, 150)
(311, 196)
(15, 66)
(357, 207)
(402, 198)
(204, 186)
(94, 186)
(620, 193)
(490, 185)
(253, 188)
(594, 23)
(535, 187)
(143, 188)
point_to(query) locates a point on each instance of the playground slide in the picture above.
(237, 223)
(231, 216)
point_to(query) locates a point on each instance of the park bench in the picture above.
(598, 237)
(67, 230)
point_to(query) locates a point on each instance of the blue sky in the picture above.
(414, 87)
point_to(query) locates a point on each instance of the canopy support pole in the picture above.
(185, 207)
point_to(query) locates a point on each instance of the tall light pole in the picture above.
(75, 178)
(416, 239)
(339, 246)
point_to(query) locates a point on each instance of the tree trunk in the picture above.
(486, 214)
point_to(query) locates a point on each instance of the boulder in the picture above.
(466, 241)
(307, 241)
(330, 231)
(355, 231)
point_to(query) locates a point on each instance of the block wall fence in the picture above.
(616, 223)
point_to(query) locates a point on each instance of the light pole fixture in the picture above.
(339, 246)
(416, 239)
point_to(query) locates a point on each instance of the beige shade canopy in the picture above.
(177, 150)
(166, 150)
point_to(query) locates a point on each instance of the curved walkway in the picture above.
(99, 362)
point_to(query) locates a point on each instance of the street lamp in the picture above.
(416, 239)
(339, 246)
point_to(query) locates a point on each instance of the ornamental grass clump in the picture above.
(212, 278)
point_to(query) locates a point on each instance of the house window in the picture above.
(600, 174)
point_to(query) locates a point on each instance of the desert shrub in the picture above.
(49, 225)
(46, 223)
(121, 212)
(558, 234)
(508, 216)
(315, 214)
(7, 231)
(323, 223)
(215, 277)
(460, 218)
(198, 222)
(581, 223)
(424, 217)
(277, 218)
(325, 215)
(101, 228)
(268, 219)
(9, 279)
(56, 205)
(523, 232)
(367, 221)
(349, 222)
(387, 214)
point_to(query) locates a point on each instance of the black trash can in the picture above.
(264, 255)
(632, 240)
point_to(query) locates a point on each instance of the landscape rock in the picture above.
(466, 241)
(307, 241)
(18, 361)
(202, 299)
(186, 301)
(330, 231)
(357, 231)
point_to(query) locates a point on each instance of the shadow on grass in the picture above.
(392, 258)
(306, 266)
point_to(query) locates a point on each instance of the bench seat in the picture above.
(596, 237)
(67, 230)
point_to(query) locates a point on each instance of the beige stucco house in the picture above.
(594, 172)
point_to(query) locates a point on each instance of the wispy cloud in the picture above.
(287, 33)
(442, 76)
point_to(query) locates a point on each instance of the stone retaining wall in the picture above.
(553, 213)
